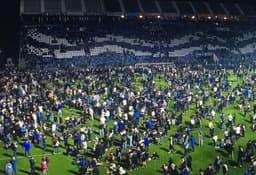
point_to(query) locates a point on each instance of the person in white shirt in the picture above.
(230, 120)
(91, 113)
(102, 125)
(54, 128)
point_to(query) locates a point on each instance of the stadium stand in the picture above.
(112, 6)
(130, 42)
(93, 6)
(200, 7)
(232, 8)
(52, 6)
(216, 8)
(167, 6)
(149, 6)
(32, 6)
(248, 9)
(131, 6)
(170, 8)
(73, 5)
(185, 8)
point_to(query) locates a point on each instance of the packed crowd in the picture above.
(129, 117)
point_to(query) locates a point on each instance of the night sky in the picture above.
(9, 29)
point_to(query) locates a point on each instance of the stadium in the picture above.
(128, 87)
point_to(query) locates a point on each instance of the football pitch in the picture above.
(61, 164)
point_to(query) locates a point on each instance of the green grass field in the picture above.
(202, 156)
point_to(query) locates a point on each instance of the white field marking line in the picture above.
(36, 155)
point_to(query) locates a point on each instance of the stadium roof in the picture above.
(139, 7)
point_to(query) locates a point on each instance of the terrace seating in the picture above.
(185, 8)
(53, 6)
(131, 6)
(139, 42)
(232, 9)
(73, 5)
(217, 8)
(200, 7)
(112, 6)
(149, 6)
(32, 6)
(167, 6)
(93, 6)
(248, 9)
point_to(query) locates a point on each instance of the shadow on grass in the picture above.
(164, 149)
(20, 154)
(24, 171)
(160, 171)
(38, 168)
(116, 142)
(179, 152)
(7, 155)
(232, 163)
(223, 153)
(89, 154)
(28, 172)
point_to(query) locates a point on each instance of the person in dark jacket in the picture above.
(32, 165)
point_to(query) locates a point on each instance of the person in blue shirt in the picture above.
(149, 124)
(38, 138)
(82, 165)
(23, 130)
(59, 108)
(247, 172)
(192, 142)
(14, 165)
(93, 163)
(137, 116)
(146, 143)
(27, 147)
(79, 141)
(186, 171)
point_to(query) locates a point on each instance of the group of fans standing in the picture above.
(130, 112)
